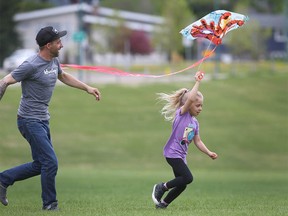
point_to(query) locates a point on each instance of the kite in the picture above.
(214, 26)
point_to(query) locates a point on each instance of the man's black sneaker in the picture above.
(161, 206)
(52, 207)
(158, 192)
(3, 195)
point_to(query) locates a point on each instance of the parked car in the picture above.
(17, 58)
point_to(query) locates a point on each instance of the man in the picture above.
(38, 75)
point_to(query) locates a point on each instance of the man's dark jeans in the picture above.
(45, 162)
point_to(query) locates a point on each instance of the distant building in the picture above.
(277, 43)
(77, 19)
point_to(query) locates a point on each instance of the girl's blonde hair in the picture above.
(173, 101)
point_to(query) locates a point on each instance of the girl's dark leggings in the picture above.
(183, 176)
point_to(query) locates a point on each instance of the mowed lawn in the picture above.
(110, 152)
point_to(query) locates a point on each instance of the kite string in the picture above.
(115, 71)
(208, 47)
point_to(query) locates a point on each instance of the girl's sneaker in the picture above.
(161, 205)
(158, 192)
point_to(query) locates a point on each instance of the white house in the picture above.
(70, 17)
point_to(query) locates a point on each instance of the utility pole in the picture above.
(286, 26)
(79, 36)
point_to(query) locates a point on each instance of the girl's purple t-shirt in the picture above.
(184, 128)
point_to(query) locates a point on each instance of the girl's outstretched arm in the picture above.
(192, 94)
(202, 147)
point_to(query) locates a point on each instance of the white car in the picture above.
(17, 58)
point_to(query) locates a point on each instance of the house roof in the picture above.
(127, 15)
(52, 12)
(96, 12)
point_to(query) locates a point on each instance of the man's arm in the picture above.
(69, 80)
(7, 80)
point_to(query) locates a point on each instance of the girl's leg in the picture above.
(183, 176)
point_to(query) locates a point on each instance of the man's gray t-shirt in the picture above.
(38, 78)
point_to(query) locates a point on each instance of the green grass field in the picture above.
(110, 153)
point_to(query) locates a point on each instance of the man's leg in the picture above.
(37, 133)
(18, 173)
(43, 151)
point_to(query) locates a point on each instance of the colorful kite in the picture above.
(214, 26)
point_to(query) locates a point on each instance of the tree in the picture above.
(139, 43)
(118, 35)
(9, 39)
(249, 40)
(203, 7)
(267, 6)
(121, 39)
(31, 5)
(177, 15)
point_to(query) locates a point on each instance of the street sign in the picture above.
(79, 36)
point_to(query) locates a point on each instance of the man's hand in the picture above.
(95, 92)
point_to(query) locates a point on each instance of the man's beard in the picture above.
(55, 54)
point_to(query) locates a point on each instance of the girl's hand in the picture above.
(199, 75)
(213, 155)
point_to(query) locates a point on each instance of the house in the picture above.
(78, 20)
(275, 46)
(277, 43)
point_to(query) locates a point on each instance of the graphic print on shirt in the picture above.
(50, 74)
(188, 134)
(51, 71)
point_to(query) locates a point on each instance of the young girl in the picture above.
(182, 107)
